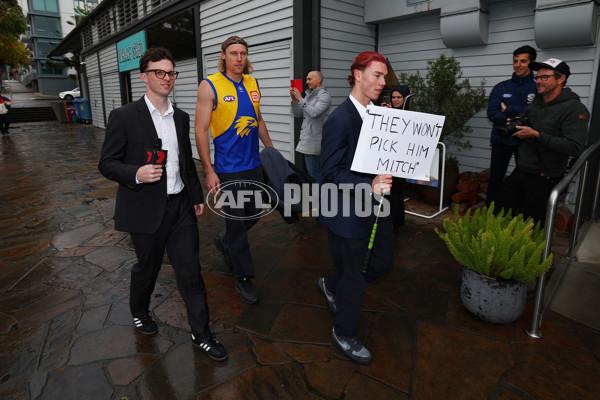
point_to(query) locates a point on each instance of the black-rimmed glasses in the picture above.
(160, 73)
(543, 78)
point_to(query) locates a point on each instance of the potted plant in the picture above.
(500, 254)
(443, 91)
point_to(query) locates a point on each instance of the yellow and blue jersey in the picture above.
(234, 123)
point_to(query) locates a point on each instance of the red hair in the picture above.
(362, 62)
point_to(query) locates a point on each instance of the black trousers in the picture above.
(178, 233)
(528, 193)
(238, 225)
(348, 283)
(4, 123)
(396, 199)
(501, 155)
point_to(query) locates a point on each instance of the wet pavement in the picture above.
(22, 96)
(66, 332)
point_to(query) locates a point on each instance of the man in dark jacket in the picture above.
(147, 151)
(507, 100)
(559, 130)
(349, 232)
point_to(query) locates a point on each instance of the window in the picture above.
(104, 25)
(88, 37)
(127, 12)
(176, 34)
(45, 5)
(44, 46)
(46, 26)
(51, 68)
(415, 2)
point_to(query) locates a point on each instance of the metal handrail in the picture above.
(582, 162)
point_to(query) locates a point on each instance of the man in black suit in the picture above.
(349, 232)
(147, 150)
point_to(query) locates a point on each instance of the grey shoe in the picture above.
(246, 290)
(330, 297)
(353, 348)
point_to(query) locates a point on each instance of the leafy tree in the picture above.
(12, 25)
(12, 22)
(443, 91)
(70, 62)
(81, 13)
(73, 61)
(13, 52)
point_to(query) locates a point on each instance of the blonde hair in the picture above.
(228, 42)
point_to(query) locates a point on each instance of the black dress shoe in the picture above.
(330, 297)
(145, 324)
(246, 290)
(353, 348)
(211, 346)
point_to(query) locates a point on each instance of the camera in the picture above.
(511, 127)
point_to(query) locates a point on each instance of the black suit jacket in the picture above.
(338, 145)
(130, 132)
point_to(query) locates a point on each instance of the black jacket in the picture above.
(340, 138)
(563, 127)
(130, 132)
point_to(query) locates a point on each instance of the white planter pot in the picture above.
(494, 300)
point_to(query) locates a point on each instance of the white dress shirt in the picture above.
(165, 128)
(362, 110)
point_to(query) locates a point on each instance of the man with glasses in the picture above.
(147, 150)
(229, 104)
(507, 100)
(558, 130)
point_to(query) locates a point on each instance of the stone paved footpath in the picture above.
(66, 332)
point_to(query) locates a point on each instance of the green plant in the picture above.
(443, 91)
(497, 245)
(451, 161)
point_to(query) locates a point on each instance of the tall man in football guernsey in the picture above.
(228, 103)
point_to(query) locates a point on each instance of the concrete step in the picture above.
(31, 114)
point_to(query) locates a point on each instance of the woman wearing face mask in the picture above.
(399, 98)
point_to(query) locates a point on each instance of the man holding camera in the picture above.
(558, 130)
(507, 100)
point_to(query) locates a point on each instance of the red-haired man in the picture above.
(348, 232)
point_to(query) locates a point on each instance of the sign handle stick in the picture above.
(372, 238)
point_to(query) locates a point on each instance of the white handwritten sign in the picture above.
(397, 142)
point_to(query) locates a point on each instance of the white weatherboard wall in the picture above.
(110, 78)
(344, 35)
(96, 102)
(138, 86)
(267, 28)
(185, 90)
(411, 41)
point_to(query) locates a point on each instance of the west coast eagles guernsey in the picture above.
(234, 123)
